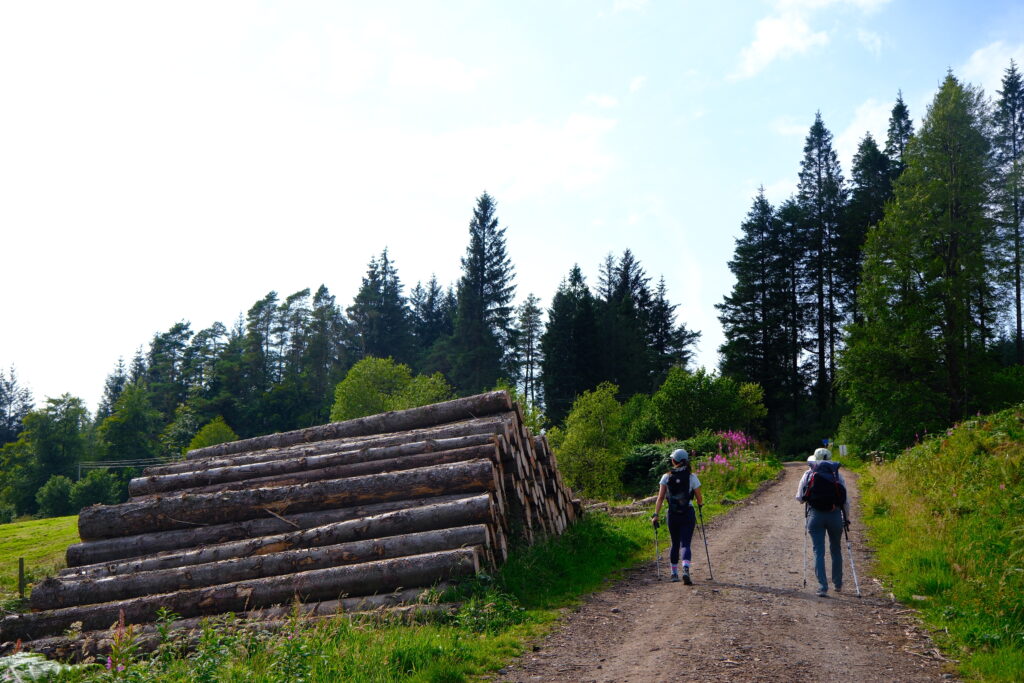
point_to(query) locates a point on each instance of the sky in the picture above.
(162, 162)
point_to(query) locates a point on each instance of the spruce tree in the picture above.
(379, 315)
(1008, 141)
(822, 199)
(529, 326)
(901, 129)
(669, 345)
(112, 389)
(481, 343)
(325, 358)
(15, 404)
(871, 188)
(569, 346)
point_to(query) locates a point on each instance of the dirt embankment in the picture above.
(754, 622)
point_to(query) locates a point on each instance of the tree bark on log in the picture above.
(80, 555)
(478, 509)
(54, 593)
(320, 584)
(185, 510)
(394, 421)
(436, 438)
(356, 469)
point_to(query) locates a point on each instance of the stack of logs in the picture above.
(352, 515)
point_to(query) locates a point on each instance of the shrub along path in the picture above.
(755, 622)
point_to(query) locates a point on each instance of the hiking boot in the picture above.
(839, 588)
(675, 576)
(822, 593)
(686, 578)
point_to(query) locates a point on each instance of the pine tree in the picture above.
(433, 318)
(822, 199)
(1008, 141)
(324, 359)
(569, 346)
(15, 404)
(113, 387)
(166, 374)
(380, 317)
(871, 188)
(624, 319)
(529, 327)
(901, 129)
(669, 345)
(916, 361)
(481, 344)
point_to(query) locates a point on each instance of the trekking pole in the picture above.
(805, 545)
(657, 552)
(849, 551)
(704, 535)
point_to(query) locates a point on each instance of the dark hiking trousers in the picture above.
(818, 525)
(680, 527)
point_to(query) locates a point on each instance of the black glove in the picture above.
(655, 521)
(846, 525)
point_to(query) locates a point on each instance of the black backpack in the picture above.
(823, 491)
(679, 493)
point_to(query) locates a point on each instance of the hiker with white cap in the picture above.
(822, 490)
(680, 486)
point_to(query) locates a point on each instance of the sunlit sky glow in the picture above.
(176, 161)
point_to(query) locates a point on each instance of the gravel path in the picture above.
(754, 622)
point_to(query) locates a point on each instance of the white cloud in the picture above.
(871, 41)
(434, 73)
(790, 127)
(872, 117)
(985, 67)
(801, 5)
(637, 83)
(603, 101)
(777, 37)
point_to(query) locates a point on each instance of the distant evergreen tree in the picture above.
(901, 129)
(15, 404)
(325, 359)
(822, 200)
(871, 188)
(202, 355)
(132, 431)
(569, 346)
(260, 360)
(166, 375)
(137, 370)
(113, 387)
(379, 315)
(481, 343)
(917, 362)
(624, 321)
(431, 318)
(529, 327)
(1008, 138)
(669, 345)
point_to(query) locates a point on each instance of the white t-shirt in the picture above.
(694, 482)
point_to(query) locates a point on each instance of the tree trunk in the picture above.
(476, 510)
(357, 469)
(495, 424)
(53, 593)
(319, 584)
(185, 510)
(394, 421)
(80, 555)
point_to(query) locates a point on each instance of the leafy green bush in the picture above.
(690, 402)
(214, 432)
(54, 498)
(640, 420)
(592, 454)
(7, 513)
(641, 469)
(97, 486)
(377, 385)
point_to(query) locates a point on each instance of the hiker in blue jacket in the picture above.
(680, 486)
(827, 511)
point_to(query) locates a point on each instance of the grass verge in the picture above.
(41, 542)
(499, 615)
(947, 521)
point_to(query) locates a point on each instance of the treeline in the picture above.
(889, 302)
(279, 366)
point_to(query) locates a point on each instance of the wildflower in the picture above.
(1002, 487)
(110, 663)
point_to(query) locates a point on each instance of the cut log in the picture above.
(478, 509)
(185, 510)
(81, 555)
(76, 648)
(394, 421)
(53, 593)
(356, 469)
(297, 462)
(320, 584)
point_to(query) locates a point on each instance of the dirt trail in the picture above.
(754, 622)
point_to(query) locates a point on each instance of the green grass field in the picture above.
(41, 542)
(947, 521)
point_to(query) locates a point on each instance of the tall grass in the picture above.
(40, 542)
(947, 522)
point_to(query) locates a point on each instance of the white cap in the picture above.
(680, 455)
(820, 454)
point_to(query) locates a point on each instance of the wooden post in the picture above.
(21, 578)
